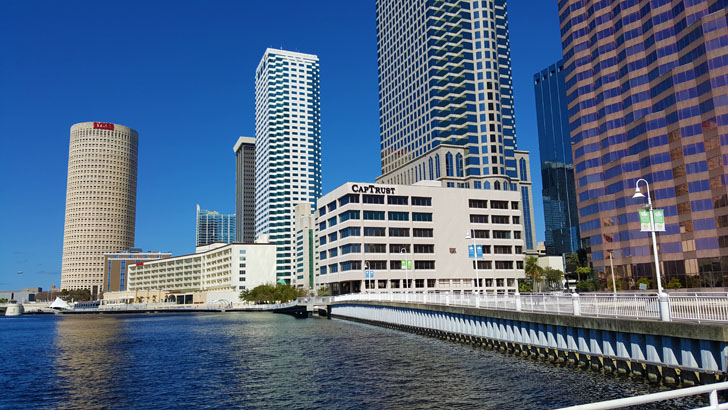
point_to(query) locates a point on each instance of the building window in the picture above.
(424, 265)
(421, 201)
(398, 216)
(437, 165)
(399, 232)
(422, 216)
(448, 164)
(422, 233)
(478, 203)
(397, 200)
(459, 164)
(373, 199)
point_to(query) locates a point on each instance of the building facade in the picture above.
(305, 247)
(557, 167)
(214, 227)
(374, 227)
(446, 110)
(287, 147)
(115, 264)
(647, 87)
(245, 189)
(100, 201)
(221, 270)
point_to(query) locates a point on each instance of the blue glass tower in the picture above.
(446, 97)
(214, 227)
(557, 167)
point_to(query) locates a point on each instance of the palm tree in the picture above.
(534, 272)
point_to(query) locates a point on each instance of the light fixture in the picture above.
(638, 193)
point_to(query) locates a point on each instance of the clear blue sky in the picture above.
(181, 74)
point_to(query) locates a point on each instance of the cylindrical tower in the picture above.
(100, 200)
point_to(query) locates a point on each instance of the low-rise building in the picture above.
(418, 238)
(220, 270)
(21, 296)
(116, 263)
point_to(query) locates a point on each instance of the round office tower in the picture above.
(100, 201)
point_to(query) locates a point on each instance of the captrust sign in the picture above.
(371, 189)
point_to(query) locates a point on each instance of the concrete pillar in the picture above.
(577, 305)
(664, 307)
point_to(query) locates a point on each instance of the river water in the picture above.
(264, 360)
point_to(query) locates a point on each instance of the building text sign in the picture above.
(104, 126)
(369, 189)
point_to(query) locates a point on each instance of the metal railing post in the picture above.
(519, 307)
(576, 303)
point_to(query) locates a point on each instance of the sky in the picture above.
(181, 73)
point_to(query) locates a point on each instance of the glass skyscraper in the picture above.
(446, 98)
(287, 147)
(647, 91)
(214, 227)
(557, 167)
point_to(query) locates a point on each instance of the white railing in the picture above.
(710, 389)
(698, 307)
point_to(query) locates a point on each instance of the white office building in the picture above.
(366, 231)
(287, 147)
(221, 270)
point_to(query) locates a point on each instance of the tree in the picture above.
(534, 272)
(3, 300)
(609, 284)
(272, 293)
(674, 283)
(586, 286)
(584, 270)
(75, 294)
(553, 277)
(323, 291)
(524, 287)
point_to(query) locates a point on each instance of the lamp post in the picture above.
(475, 254)
(406, 276)
(366, 272)
(611, 263)
(639, 194)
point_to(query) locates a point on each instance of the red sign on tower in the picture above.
(104, 126)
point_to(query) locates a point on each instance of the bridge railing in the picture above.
(700, 307)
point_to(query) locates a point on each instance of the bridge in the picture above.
(680, 339)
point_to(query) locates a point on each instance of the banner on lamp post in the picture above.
(658, 217)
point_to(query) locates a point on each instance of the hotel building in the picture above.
(100, 201)
(374, 227)
(446, 98)
(115, 264)
(647, 94)
(245, 189)
(214, 227)
(220, 270)
(287, 147)
(557, 167)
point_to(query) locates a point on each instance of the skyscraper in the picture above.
(557, 167)
(214, 227)
(245, 189)
(446, 98)
(647, 87)
(287, 147)
(100, 201)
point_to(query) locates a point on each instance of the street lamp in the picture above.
(366, 272)
(475, 254)
(639, 194)
(406, 276)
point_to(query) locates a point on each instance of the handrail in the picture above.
(711, 389)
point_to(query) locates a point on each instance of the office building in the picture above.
(214, 227)
(446, 98)
(100, 201)
(647, 87)
(220, 270)
(374, 227)
(557, 167)
(115, 264)
(245, 189)
(287, 147)
(305, 247)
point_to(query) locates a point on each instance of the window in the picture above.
(333, 236)
(350, 198)
(479, 219)
(502, 250)
(501, 234)
(399, 232)
(397, 248)
(516, 234)
(478, 203)
(398, 216)
(351, 231)
(516, 219)
(422, 232)
(514, 205)
(345, 216)
(375, 248)
(421, 201)
(420, 248)
(437, 165)
(422, 216)
(519, 264)
(424, 265)
(372, 231)
(500, 219)
(333, 252)
(351, 248)
(332, 206)
(504, 264)
(499, 204)
(397, 200)
(448, 165)
(480, 233)
(373, 199)
(376, 265)
(374, 215)
(459, 164)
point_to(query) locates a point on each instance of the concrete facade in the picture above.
(305, 247)
(245, 189)
(287, 147)
(374, 227)
(224, 268)
(100, 201)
